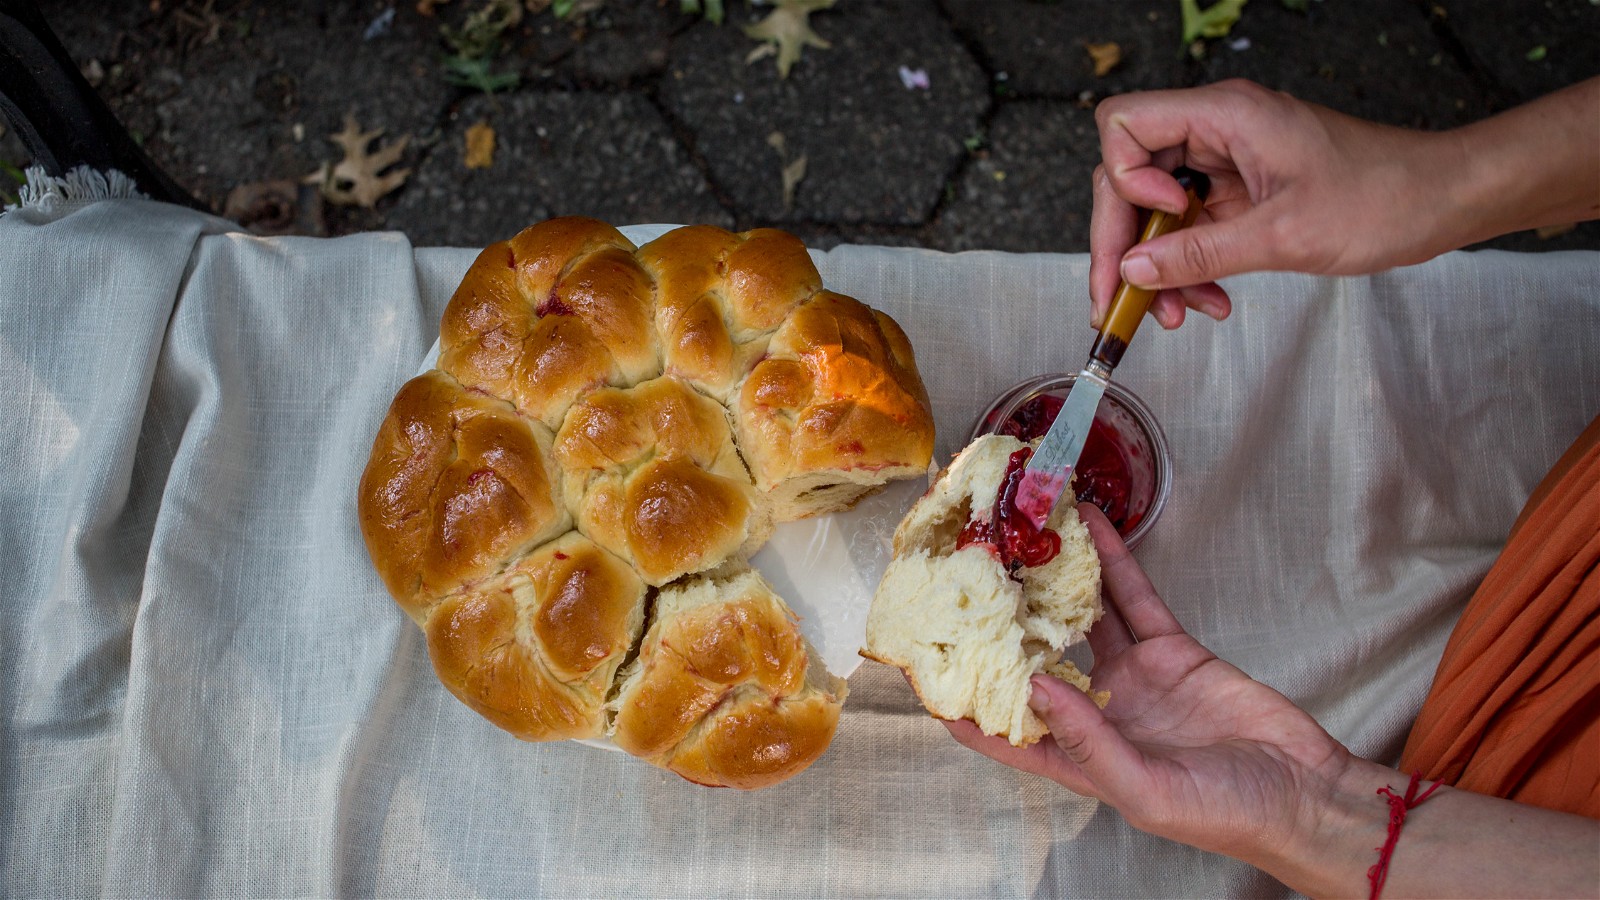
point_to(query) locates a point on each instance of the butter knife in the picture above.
(1049, 469)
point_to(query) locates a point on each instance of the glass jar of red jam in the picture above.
(1126, 467)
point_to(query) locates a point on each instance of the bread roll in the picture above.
(651, 473)
(834, 410)
(535, 649)
(558, 310)
(457, 485)
(725, 691)
(606, 420)
(720, 296)
(967, 631)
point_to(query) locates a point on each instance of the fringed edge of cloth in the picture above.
(46, 193)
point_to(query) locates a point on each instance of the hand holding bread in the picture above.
(967, 628)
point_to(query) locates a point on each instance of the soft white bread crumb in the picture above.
(968, 636)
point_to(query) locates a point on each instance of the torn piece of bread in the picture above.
(725, 690)
(968, 632)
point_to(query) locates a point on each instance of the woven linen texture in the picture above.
(205, 690)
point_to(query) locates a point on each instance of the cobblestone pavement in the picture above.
(639, 112)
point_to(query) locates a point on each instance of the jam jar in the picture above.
(1126, 466)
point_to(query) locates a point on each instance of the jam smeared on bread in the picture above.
(1014, 538)
(1102, 476)
(968, 630)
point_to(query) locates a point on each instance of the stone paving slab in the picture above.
(223, 112)
(1568, 30)
(1038, 49)
(1376, 59)
(622, 45)
(606, 155)
(638, 112)
(876, 152)
(1029, 189)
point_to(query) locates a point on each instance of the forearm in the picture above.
(1535, 165)
(1455, 844)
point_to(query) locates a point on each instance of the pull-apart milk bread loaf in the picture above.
(970, 614)
(565, 505)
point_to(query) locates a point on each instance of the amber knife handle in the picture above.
(1130, 303)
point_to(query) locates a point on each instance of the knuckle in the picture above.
(1076, 746)
(1248, 99)
(1102, 112)
(1286, 243)
(1243, 87)
(1106, 111)
(1197, 256)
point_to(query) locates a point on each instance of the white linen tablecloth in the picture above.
(204, 689)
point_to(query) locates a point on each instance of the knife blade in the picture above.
(1049, 469)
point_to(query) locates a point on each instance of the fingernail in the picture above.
(1094, 317)
(1166, 318)
(1139, 271)
(1039, 699)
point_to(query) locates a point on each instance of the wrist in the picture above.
(1435, 199)
(1336, 831)
(1531, 166)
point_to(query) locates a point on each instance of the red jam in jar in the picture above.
(1102, 477)
(1015, 539)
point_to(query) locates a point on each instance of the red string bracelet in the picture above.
(1398, 806)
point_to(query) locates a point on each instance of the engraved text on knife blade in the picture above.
(1050, 468)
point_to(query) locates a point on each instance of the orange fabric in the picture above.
(1515, 706)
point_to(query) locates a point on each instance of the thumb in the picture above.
(1200, 254)
(1084, 734)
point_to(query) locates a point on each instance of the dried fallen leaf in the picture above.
(793, 170)
(276, 207)
(1104, 56)
(788, 29)
(480, 146)
(792, 174)
(359, 179)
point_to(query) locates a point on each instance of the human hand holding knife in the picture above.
(1049, 469)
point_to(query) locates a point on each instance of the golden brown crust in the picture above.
(724, 692)
(556, 311)
(534, 650)
(457, 484)
(838, 393)
(652, 475)
(586, 384)
(721, 295)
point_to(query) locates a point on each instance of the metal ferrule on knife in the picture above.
(1049, 470)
